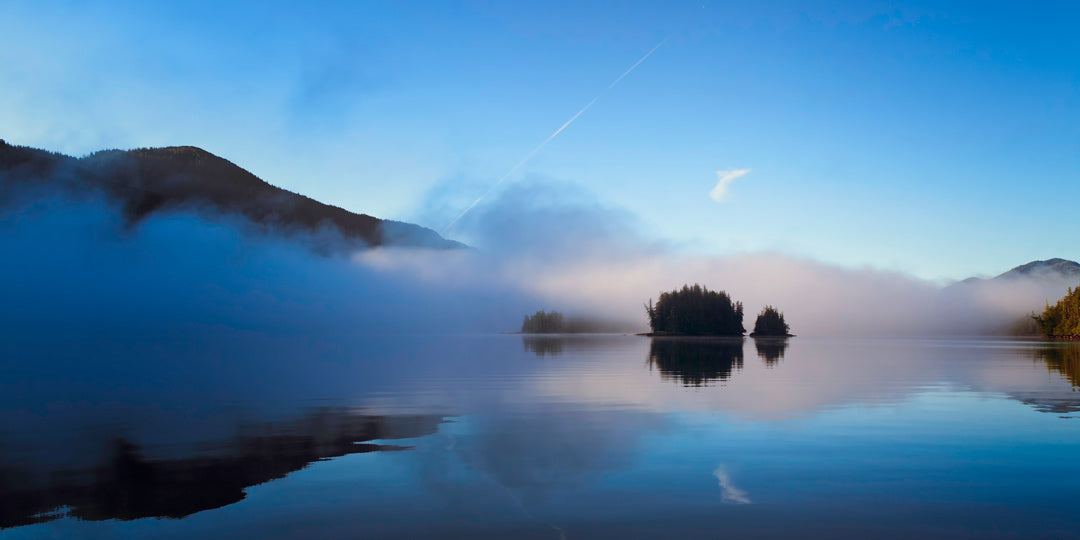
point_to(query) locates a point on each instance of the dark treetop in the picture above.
(770, 323)
(696, 311)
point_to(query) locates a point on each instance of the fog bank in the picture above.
(76, 266)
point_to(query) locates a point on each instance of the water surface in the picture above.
(231, 434)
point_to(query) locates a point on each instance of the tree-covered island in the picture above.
(543, 322)
(695, 311)
(770, 323)
(554, 322)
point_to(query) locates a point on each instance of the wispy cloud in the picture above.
(730, 492)
(551, 137)
(726, 178)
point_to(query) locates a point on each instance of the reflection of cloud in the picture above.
(731, 493)
(725, 180)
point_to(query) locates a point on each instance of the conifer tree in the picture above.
(770, 322)
(696, 311)
(1061, 320)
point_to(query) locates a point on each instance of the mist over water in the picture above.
(75, 263)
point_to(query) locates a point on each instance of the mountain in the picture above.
(150, 180)
(1038, 282)
(1048, 270)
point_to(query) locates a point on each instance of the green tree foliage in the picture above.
(696, 311)
(1061, 320)
(543, 322)
(770, 322)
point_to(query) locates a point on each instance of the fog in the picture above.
(76, 266)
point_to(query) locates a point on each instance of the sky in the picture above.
(931, 138)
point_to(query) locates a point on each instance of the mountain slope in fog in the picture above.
(150, 180)
(1049, 279)
(1050, 269)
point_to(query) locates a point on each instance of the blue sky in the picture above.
(940, 139)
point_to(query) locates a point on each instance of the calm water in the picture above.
(234, 434)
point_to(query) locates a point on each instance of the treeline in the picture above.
(1061, 320)
(543, 322)
(770, 323)
(697, 311)
(553, 322)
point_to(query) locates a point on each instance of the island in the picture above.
(543, 322)
(770, 323)
(554, 322)
(695, 311)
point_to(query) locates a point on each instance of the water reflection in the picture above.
(543, 345)
(771, 349)
(1063, 358)
(592, 445)
(558, 344)
(129, 485)
(696, 361)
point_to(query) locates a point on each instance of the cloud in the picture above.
(726, 178)
(730, 492)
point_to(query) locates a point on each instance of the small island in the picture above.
(554, 322)
(543, 322)
(695, 311)
(770, 323)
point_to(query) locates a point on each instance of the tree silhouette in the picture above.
(543, 322)
(695, 311)
(770, 322)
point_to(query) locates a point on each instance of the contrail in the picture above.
(552, 136)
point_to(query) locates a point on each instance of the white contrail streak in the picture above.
(550, 137)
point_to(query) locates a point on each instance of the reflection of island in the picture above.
(128, 485)
(1063, 358)
(543, 345)
(696, 362)
(771, 349)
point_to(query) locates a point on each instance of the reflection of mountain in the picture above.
(771, 350)
(543, 345)
(128, 485)
(696, 362)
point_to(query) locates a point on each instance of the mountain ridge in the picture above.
(148, 180)
(1055, 268)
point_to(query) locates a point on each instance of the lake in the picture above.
(228, 434)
